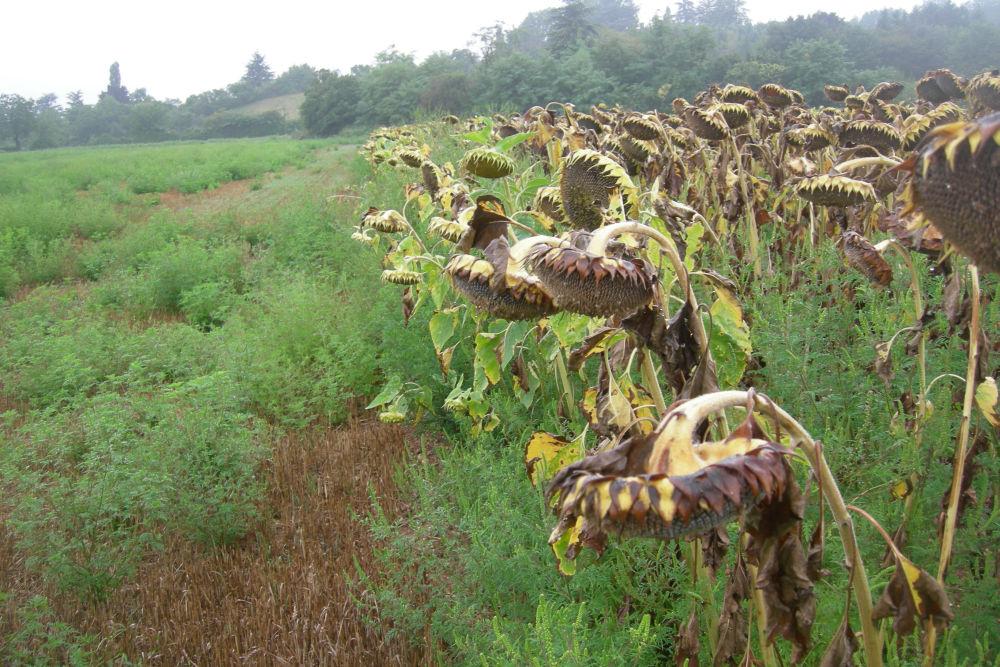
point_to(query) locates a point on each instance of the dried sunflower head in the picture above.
(775, 96)
(866, 259)
(950, 84)
(706, 125)
(886, 91)
(387, 222)
(548, 206)
(432, 175)
(827, 190)
(410, 157)
(642, 127)
(663, 486)
(736, 115)
(586, 184)
(738, 95)
(815, 137)
(836, 93)
(984, 90)
(956, 185)
(475, 280)
(402, 277)
(449, 230)
(487, 163)
(870, 133)
(588, 280)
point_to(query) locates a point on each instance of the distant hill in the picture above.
(287, 105)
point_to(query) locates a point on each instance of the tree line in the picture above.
(583, 51)
(133, 116)
(590, 51)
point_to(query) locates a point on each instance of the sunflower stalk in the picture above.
(961, 453)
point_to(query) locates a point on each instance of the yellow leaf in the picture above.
(988, 400)
(912, 573)
(901, 489)
(551, 452)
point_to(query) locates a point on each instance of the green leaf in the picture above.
(486, 356)
(508, 143)
(481, 136)
(388, 393)
(442, 326)
(514, 336)
(730, 339)
(569, 329)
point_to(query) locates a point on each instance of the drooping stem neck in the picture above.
(519, 251)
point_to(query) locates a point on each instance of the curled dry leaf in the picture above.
(912, 594)
(688, 645)
(840, 652)
(864, 258)
(733, 625)
(782, 571)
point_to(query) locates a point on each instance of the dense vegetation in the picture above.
(591, 51)
(124, 116)
(586, 51)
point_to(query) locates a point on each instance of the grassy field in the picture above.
(174, 316)
(188, 337)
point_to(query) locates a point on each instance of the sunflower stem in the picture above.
(961, 452)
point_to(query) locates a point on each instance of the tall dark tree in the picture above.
(571, 27)
(687, 12)
(74, 99)
(17, 119)
(258, 72)
(620, 15)
(115, 89)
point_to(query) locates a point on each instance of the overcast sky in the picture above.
(180, 47)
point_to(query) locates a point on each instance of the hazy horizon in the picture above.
(217, 40)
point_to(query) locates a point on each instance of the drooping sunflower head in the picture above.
(402, 277)
(775, 96)
(474, 279)
(587, 181)
(449, 230)
(815, 137)
(836, 93)
(984, 90)
(548, 207)
(955, 184)
(710, 126)
(410, 157)
(827, 190)
(738, 95)
(590, 284)
(387, 222)
(870, 133)
(736, 115)
(886, 91)
(641, 126)
(486, 162)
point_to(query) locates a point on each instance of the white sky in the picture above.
(180, 47)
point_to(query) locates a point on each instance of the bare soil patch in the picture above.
(282, 596)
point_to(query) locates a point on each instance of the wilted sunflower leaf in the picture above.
(688, 645)
(840, 652)
(566, 547)
(389, 392)
(883, 362)
(988, 400)
(910, 595)
(733, 626)
(545, 454)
